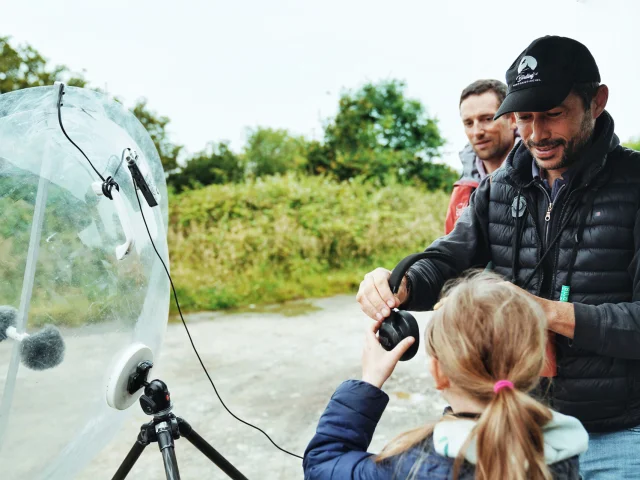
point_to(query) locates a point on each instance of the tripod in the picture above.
(164, 429)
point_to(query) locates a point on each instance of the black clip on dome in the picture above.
(401, 324)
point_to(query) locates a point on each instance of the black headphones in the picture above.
(401, 324)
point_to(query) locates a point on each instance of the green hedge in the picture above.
(290, 237)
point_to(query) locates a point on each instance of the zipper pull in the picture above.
(547, 217)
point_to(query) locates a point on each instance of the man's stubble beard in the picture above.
(573, 149)
(496, 154)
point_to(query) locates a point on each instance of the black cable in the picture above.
(551, 246)
(175, 295)
(60, 93)
(121, 162)
(107, 185)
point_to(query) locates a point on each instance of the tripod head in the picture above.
(130, 375)
(156, 400)
(165, 427)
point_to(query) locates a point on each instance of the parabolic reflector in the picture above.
(72, 258)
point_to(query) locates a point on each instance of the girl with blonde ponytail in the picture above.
(486, 342)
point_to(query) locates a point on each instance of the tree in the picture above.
(23, 67)
(215, 165)
(157, 128)
(270, 152)
(319, 158)
(379, 132)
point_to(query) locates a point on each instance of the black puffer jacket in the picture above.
(599, 370)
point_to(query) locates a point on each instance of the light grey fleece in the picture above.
(564, 437)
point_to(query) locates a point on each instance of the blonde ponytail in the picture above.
(509, 438)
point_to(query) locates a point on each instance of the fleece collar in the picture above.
(564, 437)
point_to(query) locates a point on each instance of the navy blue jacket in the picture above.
(338, 450)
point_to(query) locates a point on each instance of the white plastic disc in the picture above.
(125, 364)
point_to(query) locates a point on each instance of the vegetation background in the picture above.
(286, 217)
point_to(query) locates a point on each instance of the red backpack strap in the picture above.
(459, 200)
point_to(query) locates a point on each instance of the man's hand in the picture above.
(375, 297)
(377, 363)
(560, 315)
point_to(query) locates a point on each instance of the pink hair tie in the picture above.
(500, 384)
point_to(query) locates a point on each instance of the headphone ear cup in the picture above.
(395, 328)
(389, 333)
(409, 328)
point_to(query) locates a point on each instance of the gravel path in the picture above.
(274, 371)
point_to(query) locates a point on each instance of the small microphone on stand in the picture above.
(40, 351)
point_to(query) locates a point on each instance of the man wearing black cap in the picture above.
(561, 220)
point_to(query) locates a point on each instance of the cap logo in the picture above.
(527, 62)
(526, 72)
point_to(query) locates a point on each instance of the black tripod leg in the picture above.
(130, 460)
(165, 442)
(201, 444)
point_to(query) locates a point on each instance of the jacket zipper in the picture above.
(547, 216)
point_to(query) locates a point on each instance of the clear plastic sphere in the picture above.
(63, 263)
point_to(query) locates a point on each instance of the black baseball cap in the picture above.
(544, 73)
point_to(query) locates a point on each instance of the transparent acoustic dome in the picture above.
(75, 260)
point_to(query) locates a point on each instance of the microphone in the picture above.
(40, 351)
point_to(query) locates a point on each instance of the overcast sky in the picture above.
(216, 68)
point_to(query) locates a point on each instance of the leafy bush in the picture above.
(289, 237)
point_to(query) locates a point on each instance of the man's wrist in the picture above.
(560, 317)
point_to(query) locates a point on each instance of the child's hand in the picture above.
(377, 363)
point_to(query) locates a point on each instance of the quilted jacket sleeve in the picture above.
(338, 450)
(467, 246)
(613, 329)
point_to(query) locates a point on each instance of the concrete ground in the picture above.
(275, 371)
